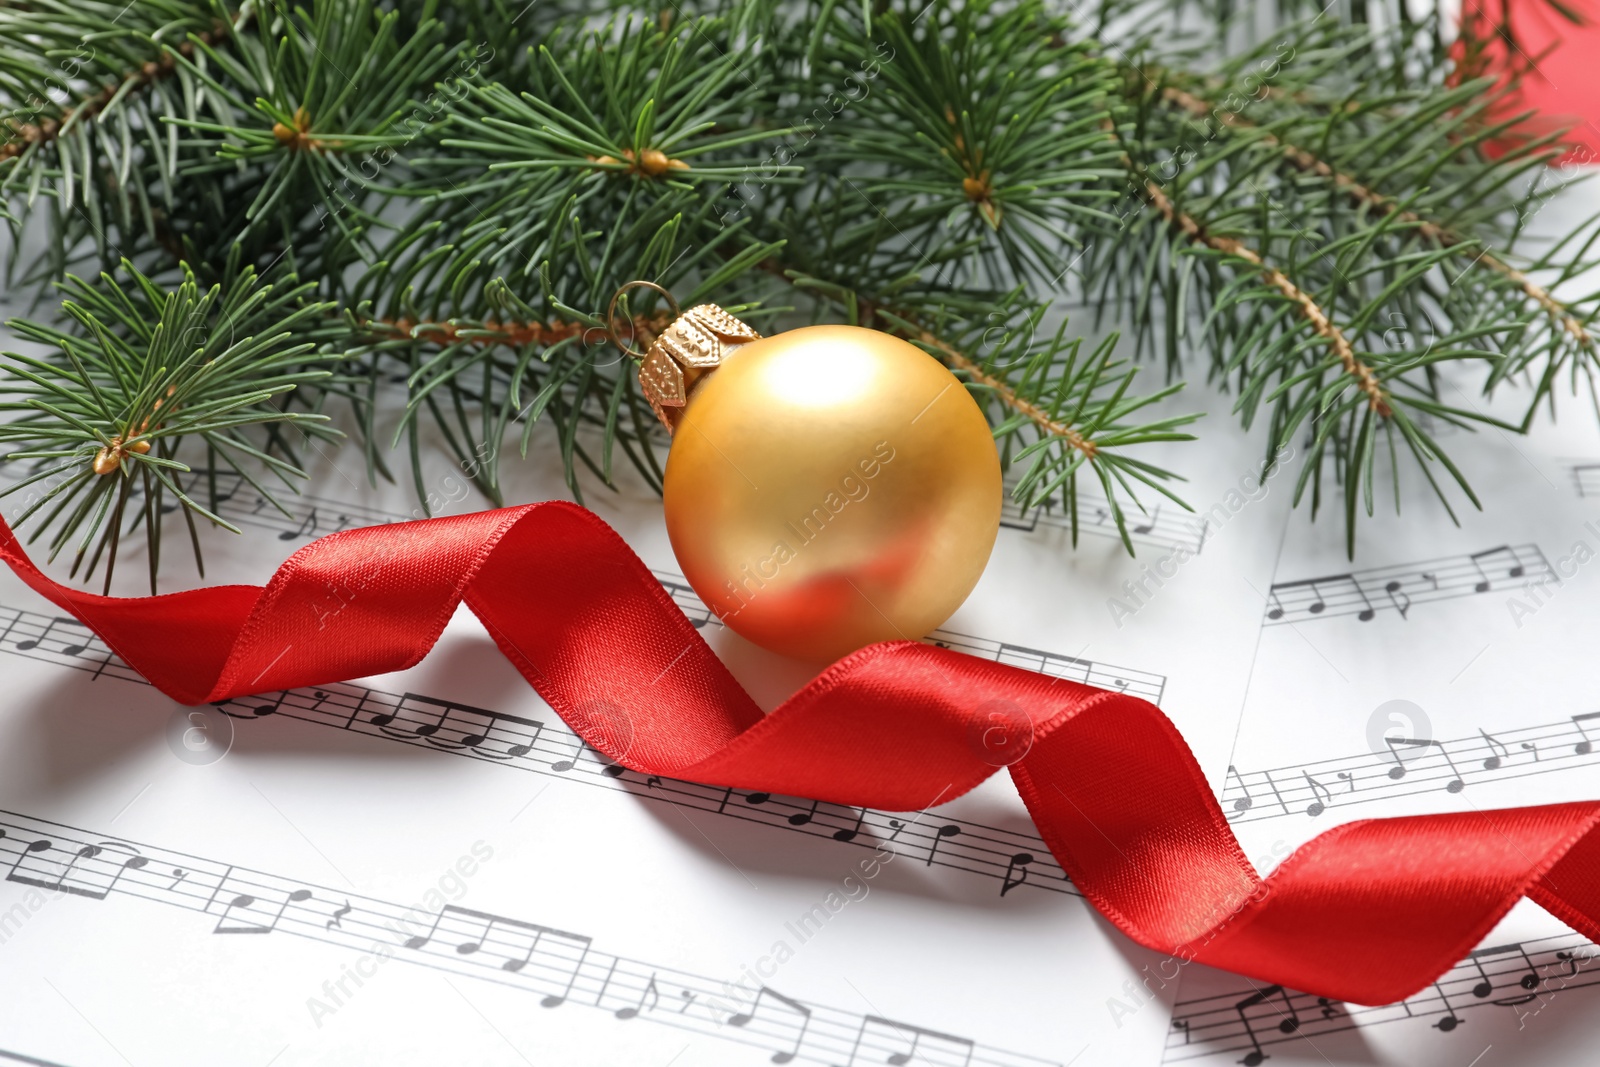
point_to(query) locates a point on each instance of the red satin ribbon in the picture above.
(1369, 912)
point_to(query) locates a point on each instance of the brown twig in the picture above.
(1361, 193)
(515, 334)
(1364, 375)
(25, 135)
(1009, 397)
(1366, 378)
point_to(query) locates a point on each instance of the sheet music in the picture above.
(1446, 669)
(428, 867)
(609, 916)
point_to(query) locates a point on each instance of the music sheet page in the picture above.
(1448, 669)
(428, 867)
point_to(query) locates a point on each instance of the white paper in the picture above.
(427, 868)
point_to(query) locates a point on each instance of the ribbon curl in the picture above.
(1369, 912)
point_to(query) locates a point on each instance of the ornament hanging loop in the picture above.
(611, 313)
(681, 354)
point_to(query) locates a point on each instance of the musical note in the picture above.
(745, 1018)
(1514, 571)
(61, 881)
(1493, 755)
(464, 948)
(1246, 802)
(1451, 1020)
(1575, 961)
(522, 748)
(482, 926)
(471, 735)
(1455, 785)
(14, 875)
(271, 706)
(1019, 864)
(1367, 611)
(898, 1031)
(562, 766)
(307, 528)
(1288, 1024)
(246, 901)
(757, 798)
(1319, 599)
(1529, 981)
(87, 852)
(1583, 748)
(650, 994)
(538, 960)
(947, 830)
(1320, 792)
(1318, 604)
(802, 817)
(407, 716)
(1508, 975)
(1483, 987)
(1500, 752)
(72, 648)
(1146, 527)
(554, 1000)
(854, 831)
(1392, 587)
(1403, 586)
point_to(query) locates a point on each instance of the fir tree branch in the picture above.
(936, 170)
(142, 372)
(1481, 255)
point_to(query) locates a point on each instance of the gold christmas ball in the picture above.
(827, 487)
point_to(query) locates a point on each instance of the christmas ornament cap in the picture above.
(827, 487)
(692, 346)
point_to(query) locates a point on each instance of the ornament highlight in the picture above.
(827, 487)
